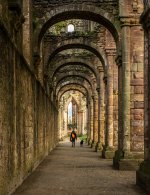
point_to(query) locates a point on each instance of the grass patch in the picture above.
(82, 137)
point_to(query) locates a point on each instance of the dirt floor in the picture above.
(78, 171)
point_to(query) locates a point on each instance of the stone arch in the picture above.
(75, 83)
(74, 61)
(81, 44)
(73, 86)
(70, 89)
(75, 72)
(69, 100)
(75, 76)
(80, 11)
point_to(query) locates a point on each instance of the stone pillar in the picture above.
(91, 122)
(65, 121)
(88, 122)
(108, 150)
(60, 117)
(98, 146)
(101, 118)
(143, 174)
(27, 32)
(129, 152)
(124, 131)
(115, 105)
(80, 121)
(84, 121)
(8, 121)
(95, 120)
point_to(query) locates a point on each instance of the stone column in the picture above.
(95, 120)
(108, 150)
(101, 118)
(124, 75)
(27, 32)
(65, 121)
(98, 146)
(115, 104)
(60, 121)
(91, 122)
(126, 85)
(88, 122)
(80, 121)
(129, 152)
(143, 174)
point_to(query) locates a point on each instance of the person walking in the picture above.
(73, 138)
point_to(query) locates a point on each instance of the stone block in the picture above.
(137, 82)
(132, 104)
(139, 104)
(138, 75)
(138, 117)
(139, 89)
(143, 176)
(129, 164)
(108, 153)
(137, 123)
(137, 97)
(140, 67)
(127, 161)
(134, 67)
(137, 111)
(132, 89)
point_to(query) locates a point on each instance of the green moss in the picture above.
(59, 26)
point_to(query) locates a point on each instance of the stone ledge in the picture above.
(127, 160)
(143, 176)
(129, 164)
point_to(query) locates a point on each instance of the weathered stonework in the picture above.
(143, 174)
(99, 68)
(26, 134)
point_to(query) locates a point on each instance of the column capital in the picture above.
(129, 21)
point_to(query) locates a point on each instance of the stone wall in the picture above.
(27, 129)
(137, 90)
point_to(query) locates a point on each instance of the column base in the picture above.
(143, 176)
(128, 161)
(93, 144)
(108, 152)
(89, 142)
(98, 147)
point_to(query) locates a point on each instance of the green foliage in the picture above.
(59, 26)
(82, 137)
(72, 126)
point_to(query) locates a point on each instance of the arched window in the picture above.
(70, 28)
(70, 113)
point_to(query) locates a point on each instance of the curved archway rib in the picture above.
(73, 86)
(74, 76)
(59, 97)
(79, 46)
(74, 61)
(76, 83)
(79, 11)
